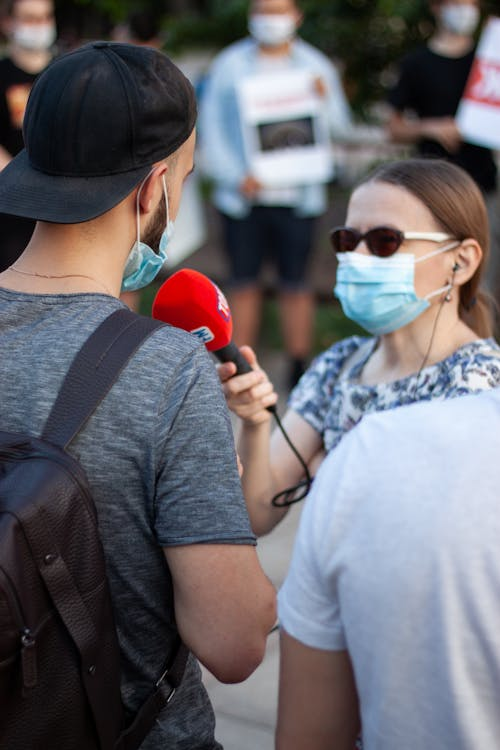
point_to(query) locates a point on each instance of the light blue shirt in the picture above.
(222, 150)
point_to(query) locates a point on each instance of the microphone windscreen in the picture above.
(190, 300)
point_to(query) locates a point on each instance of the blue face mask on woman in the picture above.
(379, 293)
(143, 264)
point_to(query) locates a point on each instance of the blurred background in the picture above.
(364, 38)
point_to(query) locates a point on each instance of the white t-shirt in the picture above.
(397, 560)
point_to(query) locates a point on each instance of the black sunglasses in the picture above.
(380, 241)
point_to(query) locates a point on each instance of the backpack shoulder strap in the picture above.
(94, 370)
(92, 373)
(133, 736)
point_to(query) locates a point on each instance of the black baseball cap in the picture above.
(96, 121)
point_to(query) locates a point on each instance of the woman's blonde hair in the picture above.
(458, 206)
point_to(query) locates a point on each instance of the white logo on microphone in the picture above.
(204, 334)
(222, 305)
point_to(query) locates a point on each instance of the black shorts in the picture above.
(269, 232)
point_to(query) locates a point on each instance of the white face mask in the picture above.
(271, 30)
(460, 19)
(32, 37)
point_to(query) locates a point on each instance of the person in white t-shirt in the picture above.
(391, 606)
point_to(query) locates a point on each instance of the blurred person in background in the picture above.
(142, 27)
(259, 221)
(30, 28)
(425, 99)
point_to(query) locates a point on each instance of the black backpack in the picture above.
(59, 653)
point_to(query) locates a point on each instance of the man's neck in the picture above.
(62, 259)
(281, 50)
(31, 61)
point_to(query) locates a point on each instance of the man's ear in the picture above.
(152, 189)
(467, 259)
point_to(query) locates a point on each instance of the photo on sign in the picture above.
(285, 129)
(286, 134)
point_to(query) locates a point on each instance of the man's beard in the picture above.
(153, 233)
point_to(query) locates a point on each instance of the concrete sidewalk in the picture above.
(246, 713)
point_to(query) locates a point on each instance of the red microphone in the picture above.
(189, 300)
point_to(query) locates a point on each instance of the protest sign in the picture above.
(285, 129)
(478, 115)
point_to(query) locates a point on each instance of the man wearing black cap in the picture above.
(109, 133)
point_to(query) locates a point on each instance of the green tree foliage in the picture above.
(365, 37)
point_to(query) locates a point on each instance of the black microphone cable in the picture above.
(293, 494)
(298, 492)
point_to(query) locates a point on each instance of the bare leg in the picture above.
(297, 320)
(246, 306)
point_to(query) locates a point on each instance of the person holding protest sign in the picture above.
(260, 220)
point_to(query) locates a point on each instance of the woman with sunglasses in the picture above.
(410, 260)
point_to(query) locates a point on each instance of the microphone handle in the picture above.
(231, 353)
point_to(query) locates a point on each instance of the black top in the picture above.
(15, 86)
(431, 85)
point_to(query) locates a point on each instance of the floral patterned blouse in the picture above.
(331, 399)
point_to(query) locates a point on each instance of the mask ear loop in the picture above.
(450, 246)
(166, 199)
(447, 298)
(448, 287)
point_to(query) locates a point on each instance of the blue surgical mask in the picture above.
(143, 264)
(379, 293)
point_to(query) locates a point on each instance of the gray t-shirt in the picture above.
(159, 456)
